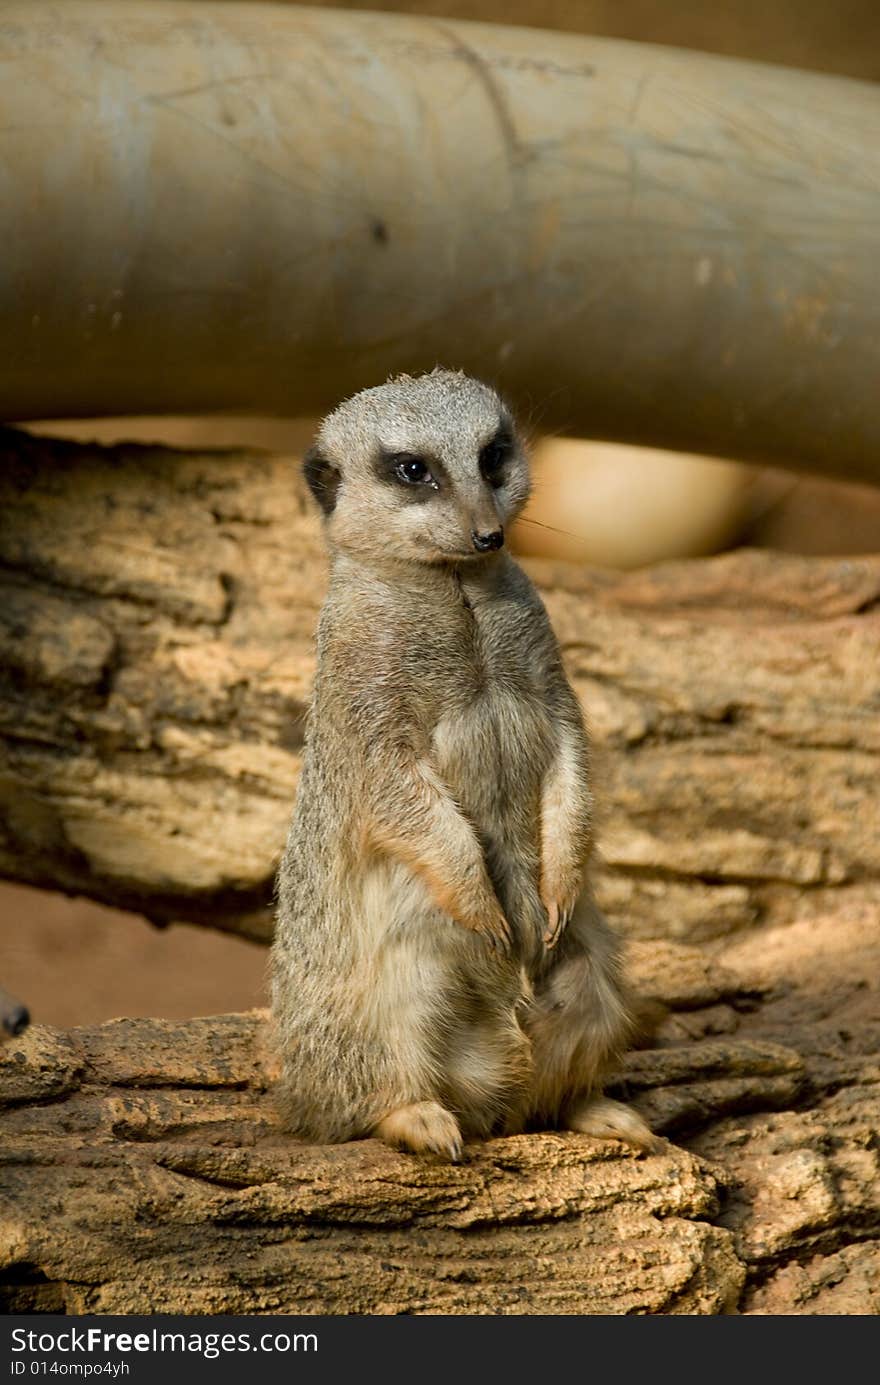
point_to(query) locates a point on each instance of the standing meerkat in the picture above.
(440, 969)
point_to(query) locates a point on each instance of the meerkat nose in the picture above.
(486, 543)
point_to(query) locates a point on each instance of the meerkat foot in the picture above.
(605, 1119)
(426, 1127)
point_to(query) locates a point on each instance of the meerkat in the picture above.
(441, 971)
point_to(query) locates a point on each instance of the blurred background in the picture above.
(596, 503)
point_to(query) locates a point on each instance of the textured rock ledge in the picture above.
(156, 1148)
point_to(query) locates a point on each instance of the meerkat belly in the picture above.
(493, 752)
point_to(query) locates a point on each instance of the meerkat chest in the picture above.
(493, 721)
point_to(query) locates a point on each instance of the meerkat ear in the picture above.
(322, 478)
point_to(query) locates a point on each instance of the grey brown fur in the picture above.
(440, 969)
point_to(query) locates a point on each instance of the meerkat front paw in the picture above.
(561, 886)
(426, 1127)
(605, 1119)
(560, 907)
(557, 918)
(484, 915)
(471, 902)
(494, 927)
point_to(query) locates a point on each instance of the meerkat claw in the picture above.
(558, 918)
(554, 926)
(605, 1119)
(425, 1127)
(497, 933)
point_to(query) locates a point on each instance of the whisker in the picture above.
(523, 519)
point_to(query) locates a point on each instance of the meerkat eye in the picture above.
(412, 471)
(492, 459)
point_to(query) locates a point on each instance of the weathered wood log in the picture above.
(157, 1149)
(156, 652)
(799, 33)
(689, 240)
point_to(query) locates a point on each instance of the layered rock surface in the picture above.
(142, 1164)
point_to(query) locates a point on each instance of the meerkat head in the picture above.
(424, 469)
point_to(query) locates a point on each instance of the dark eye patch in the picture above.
(322, 478)
(416, 476)
(495, 456)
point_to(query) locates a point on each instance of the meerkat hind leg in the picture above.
(579, 1024)
(425, 1127)
(605, 1119)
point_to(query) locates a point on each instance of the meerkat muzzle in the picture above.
(487, 543)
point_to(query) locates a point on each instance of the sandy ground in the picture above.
(73, 962)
